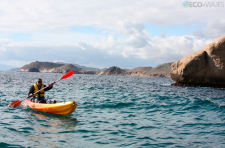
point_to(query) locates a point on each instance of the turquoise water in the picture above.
(113, 111)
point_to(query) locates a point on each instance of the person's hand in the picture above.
(51, 84)
(30, 95)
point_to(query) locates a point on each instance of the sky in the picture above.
(101, 34)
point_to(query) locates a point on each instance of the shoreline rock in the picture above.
(202, 68)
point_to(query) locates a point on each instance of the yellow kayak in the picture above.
(64, 108)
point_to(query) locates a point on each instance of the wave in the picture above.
(3, 144)
(108, 105)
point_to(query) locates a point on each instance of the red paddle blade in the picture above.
(15, 103)
(68, 74)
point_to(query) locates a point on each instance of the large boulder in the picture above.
(203, 68)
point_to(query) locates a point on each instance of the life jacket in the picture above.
(41, 93)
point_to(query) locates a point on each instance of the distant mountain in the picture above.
(114, 71)
(162, 70)
(39, 66)
(83, 67)
(143, 69)
(5, 67)
(49, 67)
(54, 68)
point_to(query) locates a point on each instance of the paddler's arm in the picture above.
(30, 94)
(49, 87)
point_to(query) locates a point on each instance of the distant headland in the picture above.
(163, 70)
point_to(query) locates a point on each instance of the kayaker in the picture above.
(40, 97)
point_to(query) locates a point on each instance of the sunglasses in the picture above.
(39, 81)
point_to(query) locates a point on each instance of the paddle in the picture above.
(18, 102)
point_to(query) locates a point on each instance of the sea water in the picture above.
(112, 111)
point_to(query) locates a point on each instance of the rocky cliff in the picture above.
(202, 68)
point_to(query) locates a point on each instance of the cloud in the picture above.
(12, 63)
(213, 29)
(25, 15)
(64, 37)
(4, 42)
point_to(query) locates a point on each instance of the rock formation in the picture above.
(39, 66)
(163, 70)
(53, 68)
(202, 68)
(114, 71)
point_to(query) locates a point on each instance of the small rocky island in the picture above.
(202, 68)
(49, 67)
(163, 70)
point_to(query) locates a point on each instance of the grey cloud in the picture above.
(213, 30)
(129, 28)
(137, 38)
(137, 42)
(59, 15)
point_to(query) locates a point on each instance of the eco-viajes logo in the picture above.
(185, 4)
(203, 4)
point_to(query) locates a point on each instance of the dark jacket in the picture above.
(32, 89)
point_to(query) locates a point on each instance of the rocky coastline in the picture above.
(163, 70)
